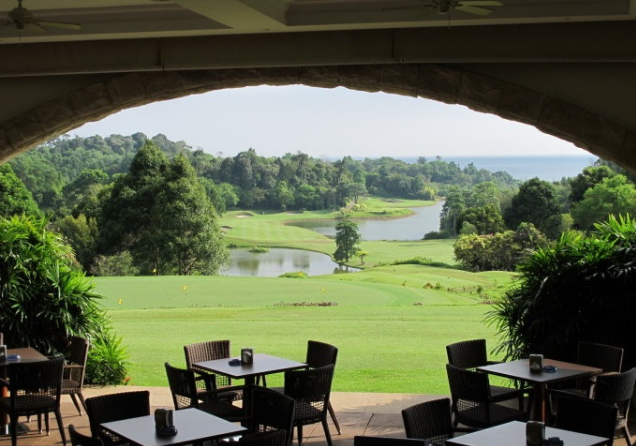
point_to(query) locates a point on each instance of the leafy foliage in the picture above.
(582, 288)
(162, 215)
(501, 251)
(610, 196)
(15, 198)
(535, 203)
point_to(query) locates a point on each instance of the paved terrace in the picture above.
(358, 414)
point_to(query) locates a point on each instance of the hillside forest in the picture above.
(135, 205)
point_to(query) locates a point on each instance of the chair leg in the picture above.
(300, 435)
(76, 403)
(325, 427)
(81, 397)
(47, 424)
(332, 413)
(60, 425)
(627, 435)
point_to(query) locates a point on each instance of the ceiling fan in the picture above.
(24, 20)
(477, 7)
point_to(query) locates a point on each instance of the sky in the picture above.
(329, 123)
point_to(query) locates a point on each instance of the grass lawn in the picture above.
(391, 324)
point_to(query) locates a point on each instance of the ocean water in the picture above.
(548, 168)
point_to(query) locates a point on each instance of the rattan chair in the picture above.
(430, 421)
(471, 354)
(185, 394)
(114, 407)
(79, 439)
(206, 381)
(473, 404)
(617, 389)
(320, 354)
(34, 389)
(269, 410)
(606, 357)
(587, 417)
(311, 389)
(74, 371)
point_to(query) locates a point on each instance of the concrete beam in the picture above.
(551, 43)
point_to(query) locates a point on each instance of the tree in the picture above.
(160, 212)
(486, 219)
(535, 203)
(185, 233)
(347, 238)
(15, 198)
(587, 179)
(612, 196)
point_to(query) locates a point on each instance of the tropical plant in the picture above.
(44, 296)
(582, 288)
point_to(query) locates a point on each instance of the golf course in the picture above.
(391, 322)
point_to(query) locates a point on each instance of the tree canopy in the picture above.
(161, 214)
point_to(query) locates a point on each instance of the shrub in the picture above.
(120, 264)
(107, 360)
(295, 275)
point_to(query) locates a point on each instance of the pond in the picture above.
(278, 261)
(425, 219)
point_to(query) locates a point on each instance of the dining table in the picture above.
(261, 365)
(514, 434)
(192, 426)
(553, 371)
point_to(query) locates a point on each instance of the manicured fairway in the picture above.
(390, 323)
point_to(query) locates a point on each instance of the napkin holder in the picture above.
(535, 363)
(535, 433)
(164, 422)
(247, 356)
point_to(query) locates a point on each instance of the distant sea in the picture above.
(548, 167)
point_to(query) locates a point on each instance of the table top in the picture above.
(520, 369)
(262, 365)
(193, 425)
(27, 354)
(514, 434)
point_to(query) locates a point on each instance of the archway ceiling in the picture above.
(581, 52)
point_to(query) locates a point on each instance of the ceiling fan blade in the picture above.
(35, 28)
(404, 7)
(64, 25)
(474, 10)
(480, 3)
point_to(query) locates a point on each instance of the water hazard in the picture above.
(425, 219)
(279, 261)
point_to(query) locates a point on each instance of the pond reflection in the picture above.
(279, 261)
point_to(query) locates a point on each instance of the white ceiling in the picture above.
(117, 19)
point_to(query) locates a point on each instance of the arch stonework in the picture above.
(442, 83)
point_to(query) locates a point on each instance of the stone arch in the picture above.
(443, 83)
